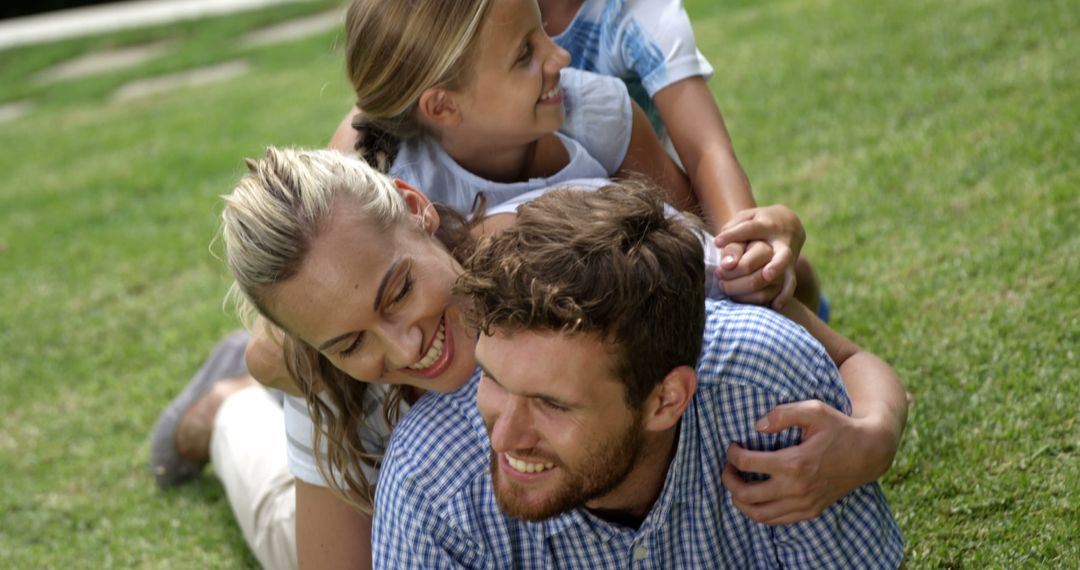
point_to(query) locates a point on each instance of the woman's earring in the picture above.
(429, 218)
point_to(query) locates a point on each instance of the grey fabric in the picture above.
(166, 464)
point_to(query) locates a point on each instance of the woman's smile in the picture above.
(439, 355)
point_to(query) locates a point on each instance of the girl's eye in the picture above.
(353, 346)
(526, 54)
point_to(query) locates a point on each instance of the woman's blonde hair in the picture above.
(269, 223)
(397, 49)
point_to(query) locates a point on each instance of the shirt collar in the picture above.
(683, 476)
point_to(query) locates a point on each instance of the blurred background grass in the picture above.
(930, 148)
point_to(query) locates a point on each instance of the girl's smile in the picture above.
(552, 97)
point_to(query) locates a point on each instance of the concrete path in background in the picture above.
(104, 61)
(11, 111)
(295, 29)
(90, 20)
(183, 79)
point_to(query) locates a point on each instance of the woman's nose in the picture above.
(402, 345)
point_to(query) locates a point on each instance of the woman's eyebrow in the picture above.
(390, 271)
(333, 341)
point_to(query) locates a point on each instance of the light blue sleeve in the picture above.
(598, 115)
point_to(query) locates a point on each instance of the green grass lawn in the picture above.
(931, 148)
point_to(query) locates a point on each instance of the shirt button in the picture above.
(640, 552)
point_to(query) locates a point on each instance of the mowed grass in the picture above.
(932, 150)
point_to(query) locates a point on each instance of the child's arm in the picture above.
(698, 132)
(645, 155)
(838, 453)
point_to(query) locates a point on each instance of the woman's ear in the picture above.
(438, 107)
(419, 206)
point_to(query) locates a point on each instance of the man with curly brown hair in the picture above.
(596, 435)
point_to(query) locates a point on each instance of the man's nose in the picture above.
(512, 429)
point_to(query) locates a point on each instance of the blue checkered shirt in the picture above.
(435, 507)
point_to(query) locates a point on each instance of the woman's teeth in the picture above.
(435, 351)
(525, 466)
(553, 92)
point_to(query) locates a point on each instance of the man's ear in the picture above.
(419, 206)
(438, 107)
(665, 405)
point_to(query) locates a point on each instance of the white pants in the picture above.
(248, 452)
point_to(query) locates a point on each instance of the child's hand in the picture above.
(783, 232)
(741, 274)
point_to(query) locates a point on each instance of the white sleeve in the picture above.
(656, 41)
(712, 263)
(598, 115)
(300, 432)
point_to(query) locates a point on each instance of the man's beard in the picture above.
(608, 465)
